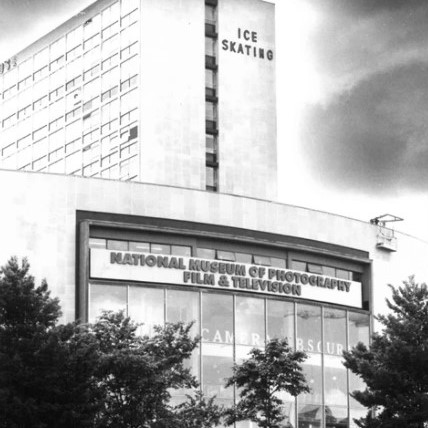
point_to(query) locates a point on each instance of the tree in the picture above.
(197, 411)
(89, 375)
(137, 375)
(395, 366)
(261, 377)
(46, 372)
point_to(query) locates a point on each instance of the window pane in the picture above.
(312, 371)
(309, 416)
(355, 384)
(160, 249)
(335, 381)
(280, 320)
(334, 331)
(205, 253)
(315, 269)
(308, 328)
(97, 243)
(215, 369)
(250, 321)
(358, 328)
(211, 176)
(217, 318)
(262, 260)
(336, 417)
(243, 258)
(343, 274)
(329, 271)
(356, 414)
(146, 305)
(143, 247)
(106, 298)
(181, 250)
(209, 78)
(226, 255)
(210, 46)
(296, 265)
(280, 263)
(183, 306)
(117, 245)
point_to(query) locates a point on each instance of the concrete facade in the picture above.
(119, 92)
(39, 222)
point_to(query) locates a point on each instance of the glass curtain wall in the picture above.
(232, 324)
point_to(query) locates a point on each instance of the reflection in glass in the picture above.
(356, 414)
(334, 331)
(336, 417)
(205, 253)
(183, 306)
(288, 408)
(296, 265)
(243, 258)
(309, 416)
(355, 384)
(308, 328)
(160, 249)
(217, 318)
(246, 424)
(250, 321)
(280, 320)
(335, 381)
(104, 297)
(181, 250)
(97, 243)
(358, 328)
(312, 371)
(143, 247)
(146, 305)
(226, 255)
(279, 263)
(329, 271)
(215, 369)
(117, 245)
(343, 274)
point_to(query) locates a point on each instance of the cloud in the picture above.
(373, 138)
(357, 39)
(24, 21)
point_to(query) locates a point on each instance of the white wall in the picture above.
(38, 213)
(173, 92)
(247, 105)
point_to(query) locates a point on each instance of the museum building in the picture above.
(139, 173)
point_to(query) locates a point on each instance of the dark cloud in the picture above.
(364, 7)
(374, 138)
(347, 46)
(23, 21)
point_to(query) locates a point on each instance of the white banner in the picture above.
(223, 275)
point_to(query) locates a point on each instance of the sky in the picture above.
(352, 98)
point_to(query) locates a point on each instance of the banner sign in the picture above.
(216, 274)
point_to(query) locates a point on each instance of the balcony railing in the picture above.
(211, 127)
(210, 62)
(210, 29)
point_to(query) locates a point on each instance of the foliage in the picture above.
(197, 412)
(136, 373)
(88, 375)
(261, 378)
(395, 366)
(45, 371)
